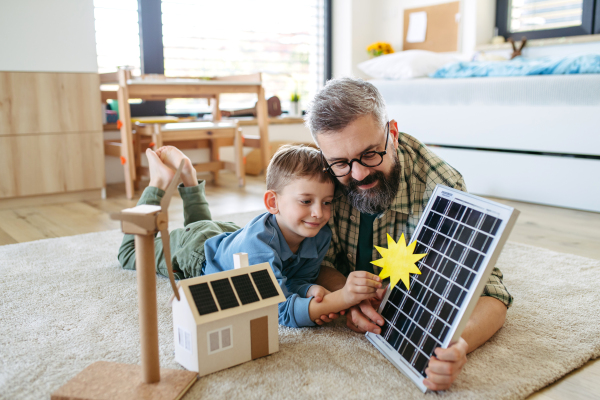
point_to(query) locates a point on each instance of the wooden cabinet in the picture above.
(51, 139)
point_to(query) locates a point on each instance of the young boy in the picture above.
(292, 235)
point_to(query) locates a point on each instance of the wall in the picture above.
(358, 23)
(50, 36)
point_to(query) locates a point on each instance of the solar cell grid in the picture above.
(264, 284)
(224, 293)
(203, 298)
(245, 289)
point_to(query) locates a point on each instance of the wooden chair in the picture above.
(186, 135)
(123, 87)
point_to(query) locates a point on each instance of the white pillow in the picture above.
(407, 64)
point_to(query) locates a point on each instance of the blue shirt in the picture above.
(262, 239)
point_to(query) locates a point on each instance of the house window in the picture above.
(537, 19)
(220, 339)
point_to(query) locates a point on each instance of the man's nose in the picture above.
(359, 171)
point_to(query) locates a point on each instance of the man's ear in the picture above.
(394, 132)
(271, 202)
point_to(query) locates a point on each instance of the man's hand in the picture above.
(445, 366)
(361, 317)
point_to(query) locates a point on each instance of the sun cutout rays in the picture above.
(398, 261)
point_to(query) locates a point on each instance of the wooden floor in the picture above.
(558, 229)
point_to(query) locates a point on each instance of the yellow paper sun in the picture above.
(398, 261)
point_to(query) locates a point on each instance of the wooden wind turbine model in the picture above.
(108, 380)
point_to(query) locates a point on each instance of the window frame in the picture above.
(590, 15)
(152, 51)
(219, 331)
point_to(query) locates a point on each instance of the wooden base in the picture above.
(108, 380)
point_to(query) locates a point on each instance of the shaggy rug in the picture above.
(65, 303)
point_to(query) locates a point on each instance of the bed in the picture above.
(528, 138)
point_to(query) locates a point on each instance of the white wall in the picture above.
(358, 23)
(47, 36)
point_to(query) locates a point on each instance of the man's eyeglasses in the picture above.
(368, 159)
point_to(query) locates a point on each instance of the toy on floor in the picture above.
(463, 236)
(227, 318)
(108, 380)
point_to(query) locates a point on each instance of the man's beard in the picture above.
(378, 198)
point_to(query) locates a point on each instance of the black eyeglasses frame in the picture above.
(327, 166)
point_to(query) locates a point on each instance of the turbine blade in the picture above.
(166, 241)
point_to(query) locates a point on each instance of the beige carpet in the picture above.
(65, 303)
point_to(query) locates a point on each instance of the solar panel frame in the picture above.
(435, 311)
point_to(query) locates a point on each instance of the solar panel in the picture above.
(224, 293)
(460, 233)
(203, 299)
(245, 289)
(264, 284)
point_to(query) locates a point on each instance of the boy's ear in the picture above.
(271, 202)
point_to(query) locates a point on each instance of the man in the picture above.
(385, 180)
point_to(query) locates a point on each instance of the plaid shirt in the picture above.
(421, 171)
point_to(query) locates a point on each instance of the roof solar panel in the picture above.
(203, 299)
(460, 233)
(245, 289)
(224, 293)
(264, 284)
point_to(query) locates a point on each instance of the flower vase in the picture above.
(295, 109)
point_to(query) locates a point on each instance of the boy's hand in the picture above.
(445, 365)
(360, 285)
(319, 292)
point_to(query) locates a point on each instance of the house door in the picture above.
(259, 337)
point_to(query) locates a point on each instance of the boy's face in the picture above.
(304, 207)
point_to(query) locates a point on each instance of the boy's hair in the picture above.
(293, 162)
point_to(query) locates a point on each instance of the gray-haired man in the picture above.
(386, 178)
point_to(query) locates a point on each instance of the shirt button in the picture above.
(187, 229)
(353, 218)
(349, 255)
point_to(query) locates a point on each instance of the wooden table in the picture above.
(162, 88)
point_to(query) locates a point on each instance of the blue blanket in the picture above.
(520, 66)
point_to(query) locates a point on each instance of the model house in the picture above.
(227, 318)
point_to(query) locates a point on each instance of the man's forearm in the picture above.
(487, 318)
(331, 279)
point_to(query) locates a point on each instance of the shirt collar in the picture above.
(307, 249)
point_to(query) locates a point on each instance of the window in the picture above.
(244, 37)
(220, 339)
(117, 34)
(537, 19)
(286, 40)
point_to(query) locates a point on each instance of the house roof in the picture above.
(228, 293)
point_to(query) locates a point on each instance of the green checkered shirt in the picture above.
(421, 171)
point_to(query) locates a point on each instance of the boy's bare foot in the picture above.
(171, 157)
(160, 174)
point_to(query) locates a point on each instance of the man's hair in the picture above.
(341, 102)
(293, 162)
